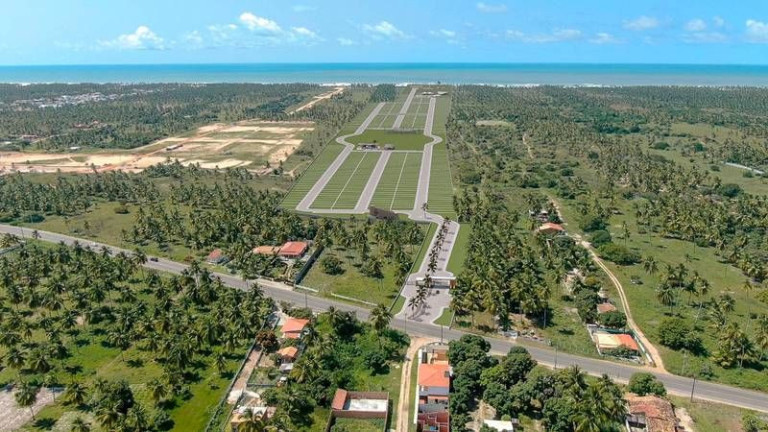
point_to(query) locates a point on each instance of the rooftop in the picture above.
(294, 325)
(658, 412)
(434, 375)
(293, 248)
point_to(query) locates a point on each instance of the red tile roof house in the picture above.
(288, 354)
(216, 257)
(293, 249)
(551, 228)
(434, 383)
(293, 327)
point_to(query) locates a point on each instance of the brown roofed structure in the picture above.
(655, 413)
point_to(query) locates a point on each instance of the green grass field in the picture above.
(398, 184)
(416, 116)
(400, 140)
(310, 176)
(344, 188)
(440, 184)
(459, 252)
(361, 425)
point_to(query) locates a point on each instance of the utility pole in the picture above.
(693, 387)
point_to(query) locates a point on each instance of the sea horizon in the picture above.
(502, 74)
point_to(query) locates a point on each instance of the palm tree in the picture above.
(666, 295)
(26, 396)
(80, 425)
(380, 317)
(157, 390)
(75, 394)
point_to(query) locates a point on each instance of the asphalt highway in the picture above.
(677, 385)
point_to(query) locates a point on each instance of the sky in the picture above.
(444, 31)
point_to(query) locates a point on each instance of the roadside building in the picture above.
(361, 405)
(551, 228)
(650, 414)
(293, 249)
(433, 422)
(610, 341)
(434, 383)
(216, 257)
(293, 328)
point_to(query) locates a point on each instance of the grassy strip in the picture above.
(310, 175)
(459, 252)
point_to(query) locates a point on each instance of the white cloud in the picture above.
(303, 31)
(757, 31)
(718, 21)
(705, 37)
(641, 23)
(194, 38)
(696, 25)
(260, 24)
(560, 35)
(141, 39)
(303, 8)
(603, 38)
(346, 42)
(450, 34)
(491, 8)
(384, 29)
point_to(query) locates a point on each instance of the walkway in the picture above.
(404, 110)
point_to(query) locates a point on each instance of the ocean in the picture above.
(398, 73)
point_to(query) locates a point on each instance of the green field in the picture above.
(310, 176)
(398, 184)
(416, 116)
(400, 140)
(459, 252)
(344, 188)
(440, 185)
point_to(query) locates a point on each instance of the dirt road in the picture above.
(404, 405)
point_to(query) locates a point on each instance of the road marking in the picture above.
(397, 185)
(349, 180)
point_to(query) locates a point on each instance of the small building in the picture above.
(436, 421)
(551, 228)
(266, 250)
(389, 147)
(216, 257)
(605, 308)
(434, 383)
(382, 214)
(293, 249)
(368, 146)
(294, 327)
(360, 405)
(288, 354)
(610, 341)
(500, 425)
(650, 414)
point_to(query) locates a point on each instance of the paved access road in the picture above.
(282, 292)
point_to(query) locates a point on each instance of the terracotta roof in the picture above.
(549, 226)
(266, 250)
(605, 307)
(293, 248)
(628, 341)
(215, 255)
(658, 412)
(294, 325)
(290, 351)
(339, 399)
(434, 375)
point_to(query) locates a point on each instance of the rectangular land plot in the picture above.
(310, 176)
(397, 188)
(440, 185)
(417, 114)
(344, 189)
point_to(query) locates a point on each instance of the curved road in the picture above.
(675, 384)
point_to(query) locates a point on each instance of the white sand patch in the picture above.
(209, 128)
(14, 416)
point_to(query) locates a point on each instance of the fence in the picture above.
(308, 265)
(215, 418)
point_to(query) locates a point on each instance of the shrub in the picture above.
(676, 333)
(644, 383)
(332, 265)
(613, 319)
(618, 254)
(661, 145)
(729, 190)
(592, 223)
(600, 237)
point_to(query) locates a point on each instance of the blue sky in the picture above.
(255, 31)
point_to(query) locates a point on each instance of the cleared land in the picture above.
(440, 185)
(250, 144)
(310, 176)
(344, 188)
(417, 114)
(397, 188)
